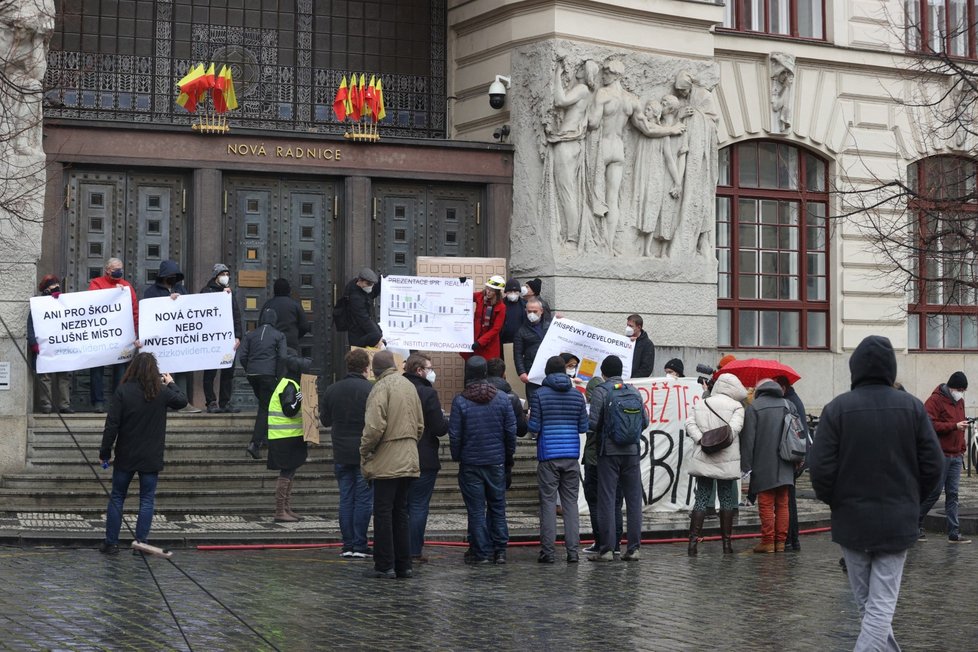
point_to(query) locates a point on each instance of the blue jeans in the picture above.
(356, 506)
(147, 501)
(874, 578)
(484, 491)
(96, 387)
(419, 498)
(950, 481)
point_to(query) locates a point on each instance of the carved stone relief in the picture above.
(782, 70)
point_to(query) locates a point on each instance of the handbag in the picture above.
(716, 439)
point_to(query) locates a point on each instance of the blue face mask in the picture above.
(116, 273)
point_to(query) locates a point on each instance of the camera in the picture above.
(497, 92)
(501, 133)
(704, 369)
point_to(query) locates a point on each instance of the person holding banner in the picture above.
(221, 282)
(49, 286)
(527, 342)
(169, 283)
(110, 278)
(716, 472)
(490, 315)
(136, 428)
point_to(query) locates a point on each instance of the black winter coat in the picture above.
(292, 320)
(518, 411)
(263, 350)
(761, 438)
(515, 318)
(527, 343)
(342, 407)
(137, 427)
(363, 330)
(875, 456)
(643, 357)
(289, 452)
(214, 286)
(435, 424)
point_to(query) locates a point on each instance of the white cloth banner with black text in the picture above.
(80, 330)
(189, 333)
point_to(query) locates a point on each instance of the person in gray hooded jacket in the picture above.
(262, 355)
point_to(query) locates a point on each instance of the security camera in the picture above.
(501, 133)
(497, 92)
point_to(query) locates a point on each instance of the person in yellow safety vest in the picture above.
(286, 446)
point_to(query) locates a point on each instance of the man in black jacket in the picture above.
(419, 370)
(360, 293)
(643, 356)
(791, 395)
(221, 282)
(527, 342)
(262, 355)
(292, 320)
(874, 459)
(342, 407)
(169, 283)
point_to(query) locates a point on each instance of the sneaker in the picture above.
(98, 407)
(631, 555)
(230, 409)
(46, 409)
(601, 556)
(544, 558)
(477, 561)
(347, 554)
(957, 538)
(190, 409)
(109, 548)
(212, 408)
(573, 558)
(360, 554)
(66, 410)
(591, 549)
(922, 536)
(499, 557)
(404, 574)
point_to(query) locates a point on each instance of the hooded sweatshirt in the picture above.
(875, 456)
(945, 413)
(263, 351)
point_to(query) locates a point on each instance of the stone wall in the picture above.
(25, 29)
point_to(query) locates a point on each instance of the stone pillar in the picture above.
(358, 215)
(25, 30)
(614, 182)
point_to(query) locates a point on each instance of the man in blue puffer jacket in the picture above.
(482, 434)
(558, 415)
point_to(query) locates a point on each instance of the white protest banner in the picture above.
(80, 330)
(426, 313)
(665, 448)
(191, 332)
(591, 345)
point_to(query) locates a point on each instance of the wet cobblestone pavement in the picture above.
(78, 599)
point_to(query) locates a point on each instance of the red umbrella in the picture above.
(751, 370)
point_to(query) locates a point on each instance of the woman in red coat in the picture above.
(490, 313)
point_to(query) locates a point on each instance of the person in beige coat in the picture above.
(389, 459)
(718, 472)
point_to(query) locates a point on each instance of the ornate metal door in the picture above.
(139, 218)
(425, 220)
(283, 229)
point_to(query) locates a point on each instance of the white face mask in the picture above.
(368, 288)
(571, 371)
(533, 317)
(672, 374)
(629, 331)
(956, 395)
(224, 279)
(512, 296)
(430, 376)
(524, 291)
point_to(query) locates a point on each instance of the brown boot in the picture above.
(726, 530)
(288, 501)
(281, 495)
(764, 548)
(695, 529)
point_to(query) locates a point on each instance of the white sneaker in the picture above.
(360, 555)
(347, 554)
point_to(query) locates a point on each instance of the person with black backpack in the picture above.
(618, 417)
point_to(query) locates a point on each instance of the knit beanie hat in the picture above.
(727, 359)
(611, 366)
(676, 365)
(958, 380)
(512, 285)
(282, 288)
(536, 285)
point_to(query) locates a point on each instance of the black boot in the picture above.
(695, 529)
(726, 530)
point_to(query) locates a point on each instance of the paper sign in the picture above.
(191, 332)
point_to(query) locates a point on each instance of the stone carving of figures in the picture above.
(566, 160)
(657, 179)
(782, 67)
(612, 108)
(24, 33)
(702, 167)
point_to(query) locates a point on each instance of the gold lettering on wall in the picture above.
(280, 151)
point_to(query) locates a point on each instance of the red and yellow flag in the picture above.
(370, 99)
(356, 99)
(341, 100)
(223, 94)
(189, 90)
(381, 111)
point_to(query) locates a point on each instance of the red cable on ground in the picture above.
(463, 544)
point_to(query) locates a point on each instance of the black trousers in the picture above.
(392, 541)
(792, 516)
(622, 471)
(224, 390)
(264, 387)
(591, 496)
